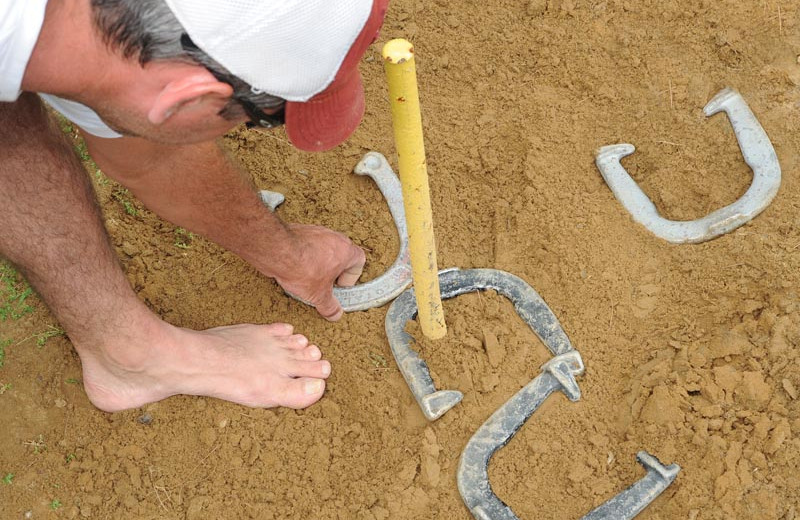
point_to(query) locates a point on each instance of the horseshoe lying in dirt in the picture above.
(473, 469)
(757, 151)
(387, 286)
(635, 498)
(453, 282)
(473, 479)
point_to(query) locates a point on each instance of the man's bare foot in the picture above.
(254, 365)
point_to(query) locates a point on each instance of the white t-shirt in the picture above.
(81, 115)
(20, 23)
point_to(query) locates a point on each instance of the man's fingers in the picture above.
(330, 308)
(350, 276)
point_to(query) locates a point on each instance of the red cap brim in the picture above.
(328, 118)
(331, 116)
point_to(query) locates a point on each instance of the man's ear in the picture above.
(189, 88)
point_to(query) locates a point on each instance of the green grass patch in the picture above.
(37, 445)
(51, 332)
(3, 344)
(123, 196)
(77, 141)
(378, 360)
(183, 238)
(100, 178)
(14, 291)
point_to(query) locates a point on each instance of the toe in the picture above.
(302, 392)
(325, 368)
(279, 329)
(296, 341)
(311, 353)
(318, 369)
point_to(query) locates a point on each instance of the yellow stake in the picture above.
(401, 73)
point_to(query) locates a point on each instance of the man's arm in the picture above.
(199, 187)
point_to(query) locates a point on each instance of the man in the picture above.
(162, 79)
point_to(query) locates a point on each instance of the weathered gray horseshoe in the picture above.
(453, 282)
(757, 151)
(634, 499)
(387, 286)
(473, 469)
(473, 478)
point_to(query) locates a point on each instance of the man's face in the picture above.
(133, 110)
(185, 127)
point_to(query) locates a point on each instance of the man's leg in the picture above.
(53, 232)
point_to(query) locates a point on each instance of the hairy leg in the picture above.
(53, 232)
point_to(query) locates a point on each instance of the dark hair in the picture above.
(146, 30)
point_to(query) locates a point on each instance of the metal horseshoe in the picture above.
(635, 498)
(757, 151)
(387, 286)
(453, 282)
(473, 469)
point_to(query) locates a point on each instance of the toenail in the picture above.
(313, 387)
(287, 327)
(326, 369)
(314, 353)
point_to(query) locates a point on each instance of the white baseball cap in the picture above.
(304, 51)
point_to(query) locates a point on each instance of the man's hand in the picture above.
(322, 258)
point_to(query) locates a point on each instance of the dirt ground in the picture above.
(690, 350)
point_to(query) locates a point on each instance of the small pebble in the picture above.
(789, 388)
(145, 419)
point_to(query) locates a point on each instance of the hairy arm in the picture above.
(200, 188)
